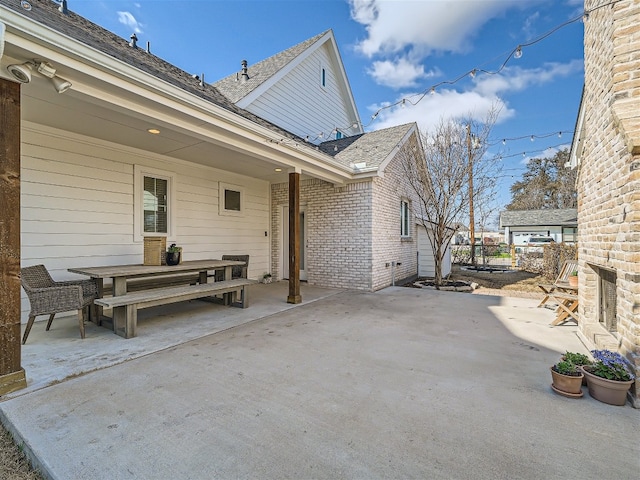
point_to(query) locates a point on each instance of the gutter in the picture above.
(29, 32)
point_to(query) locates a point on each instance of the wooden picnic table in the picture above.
(120, 274)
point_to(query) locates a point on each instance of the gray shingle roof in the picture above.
(79, 28)
(235, 89)
(550, 217)
(372, 148)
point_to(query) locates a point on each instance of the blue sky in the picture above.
(393, 49)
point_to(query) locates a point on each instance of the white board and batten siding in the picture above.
(426, 262)
(300, 104)
(77, 206)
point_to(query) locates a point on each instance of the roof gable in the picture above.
(369, 152)
(286, 89)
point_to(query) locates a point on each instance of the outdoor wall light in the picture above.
(22, 73)
(60, 84)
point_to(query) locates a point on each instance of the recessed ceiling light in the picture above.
(155, 131)
(278, 169)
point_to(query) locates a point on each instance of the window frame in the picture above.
(222, 210)
(139, 173)
(405, 218)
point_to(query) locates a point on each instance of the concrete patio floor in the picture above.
(402, 383)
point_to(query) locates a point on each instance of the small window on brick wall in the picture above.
(405, 231)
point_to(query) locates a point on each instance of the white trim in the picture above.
(139, 171)
(222, 187)
(407, 202)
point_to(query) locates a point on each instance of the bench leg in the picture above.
(244, 299)
(125, 320)
(132, 321)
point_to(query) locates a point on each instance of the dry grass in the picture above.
(13, 464)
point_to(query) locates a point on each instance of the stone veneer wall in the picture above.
(609, 176)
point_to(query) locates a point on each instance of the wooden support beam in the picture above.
(294, 238)
(12, 375)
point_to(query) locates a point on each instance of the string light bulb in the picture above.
(518, 52)
(532, 138)
(433, 91)
(472, 73)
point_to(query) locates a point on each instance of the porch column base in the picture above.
(294, 299)
(13, 381)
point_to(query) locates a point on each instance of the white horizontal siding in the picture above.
(298, 102)
(77, 206)
(426, 262)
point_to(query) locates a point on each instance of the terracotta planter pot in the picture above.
(573, 280)
(567, 385)
(608, 391)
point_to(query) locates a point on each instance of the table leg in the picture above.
(228, 297)
(98, 308)
(119, 313)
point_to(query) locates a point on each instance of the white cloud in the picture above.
(127, 18)
(516, 79)
(486, 94)
(399, 73)
(424, 26)
(443, 104)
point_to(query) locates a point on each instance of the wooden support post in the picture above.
(294, 238)
(12, 375)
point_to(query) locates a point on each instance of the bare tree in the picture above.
(454, 153)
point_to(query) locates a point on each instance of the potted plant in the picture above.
(573, 278)
(266, 277)
(579, 360)
(567, 379)
(174, 254)
(609, 377)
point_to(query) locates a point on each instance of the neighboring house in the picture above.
(520, 225)
(606, 152)
(137, 147)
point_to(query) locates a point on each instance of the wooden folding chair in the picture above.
(568, 267)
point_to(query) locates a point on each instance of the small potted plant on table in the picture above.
(567, 379)
(573, 278)
(174, 254)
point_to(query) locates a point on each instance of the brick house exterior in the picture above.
(353, 230)
(606, 151)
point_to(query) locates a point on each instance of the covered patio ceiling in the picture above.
(102, 107)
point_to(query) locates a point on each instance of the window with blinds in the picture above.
(155, 205)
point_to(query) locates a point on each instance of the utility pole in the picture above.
(472, 233)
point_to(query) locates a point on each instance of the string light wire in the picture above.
(514, 53)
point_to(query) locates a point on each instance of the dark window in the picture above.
(232, 200)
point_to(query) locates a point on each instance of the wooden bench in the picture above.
(147, 283)
(162, 296)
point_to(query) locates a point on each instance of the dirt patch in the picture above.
(516, 280)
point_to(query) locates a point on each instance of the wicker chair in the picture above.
(48, 297)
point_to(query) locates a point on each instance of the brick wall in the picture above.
(353, 230)
(609, 177)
